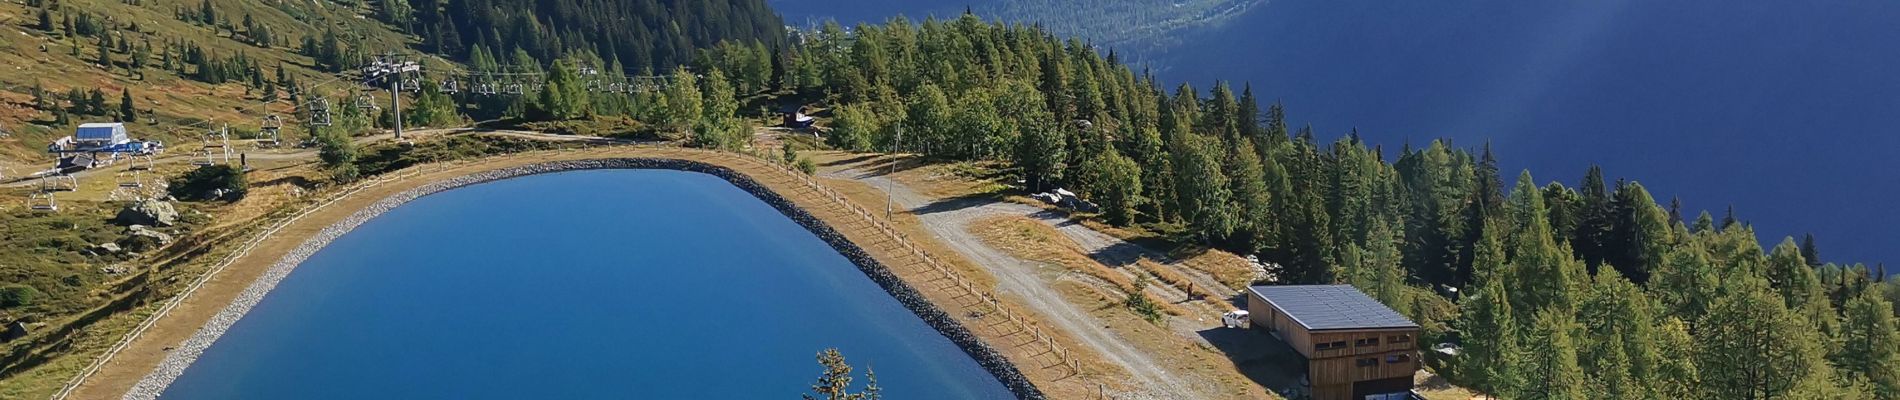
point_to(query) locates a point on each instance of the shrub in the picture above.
(212, 182)
(15, 295)
(805, 165)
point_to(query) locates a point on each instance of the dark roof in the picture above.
(1331, 307)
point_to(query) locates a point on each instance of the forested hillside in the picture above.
(174, 70)
(645, 35)
(1589, 292)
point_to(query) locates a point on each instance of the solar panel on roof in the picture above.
(1328, 307)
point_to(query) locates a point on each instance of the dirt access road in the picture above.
(949, 220)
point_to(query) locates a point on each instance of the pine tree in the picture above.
(1753, 347)
(96, 102)
(206, 14)
(40, 101)
(1252, 202)
(720, 126)
(128, 112)
(1551, 366)
(1871, 344)
(1491, 359)
(46, 20)
(1643, 232)
(1113, 181)
(1674, 377)
(1202, 189)
(1809, 252)
(1543, 279)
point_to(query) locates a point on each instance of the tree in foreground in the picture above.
(338, 155)
(1113, 181)
(1871, 345)
(835, 383)
(212, 182)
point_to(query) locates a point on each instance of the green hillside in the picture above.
(171, 103)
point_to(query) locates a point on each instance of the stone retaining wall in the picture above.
(175, 363)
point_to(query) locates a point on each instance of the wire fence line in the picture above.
(958, 281)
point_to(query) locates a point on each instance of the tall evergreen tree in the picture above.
(1871, 344)
(1551, 366)
(128, 111)
(1491, 360)
(1753, 347)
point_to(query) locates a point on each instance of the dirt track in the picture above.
(949, 221)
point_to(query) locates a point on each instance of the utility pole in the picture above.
(890, 179)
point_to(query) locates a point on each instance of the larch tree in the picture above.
(1642, 232)
(1491, 359)
(1870, 347)
(1753, 347)
(1543, 279)
(1202, 189)
(852, 127)
(1252, 201)
(1550, 366)
(1114, 182)
(835, 382)
(684, 105)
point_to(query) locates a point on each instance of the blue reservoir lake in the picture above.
(653, 284)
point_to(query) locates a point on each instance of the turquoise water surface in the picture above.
(591, 284)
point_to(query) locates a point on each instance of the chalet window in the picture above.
(1367, 362)
(1398, 339)
(1339, 344)
(1397, 358)
(1322, 346)
(1366, 342)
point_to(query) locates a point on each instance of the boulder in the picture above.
(140, 238)
(106, 248)
(152, 212)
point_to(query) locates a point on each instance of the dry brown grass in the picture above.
(1031, 240)
(1028, 239)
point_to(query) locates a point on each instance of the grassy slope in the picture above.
(176, 101)
(45, 250)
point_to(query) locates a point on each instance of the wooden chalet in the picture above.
(1355, 347)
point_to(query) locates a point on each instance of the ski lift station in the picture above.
(84, 149)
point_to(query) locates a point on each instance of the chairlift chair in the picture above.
(59, 183)
(131, 178)
(320, 112)
(271, 129)
(366, 102)
(513, 88)
(143, 162)
(448, 86)
(43, 201)
(204, 158)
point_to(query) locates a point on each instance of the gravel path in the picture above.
(948, 221)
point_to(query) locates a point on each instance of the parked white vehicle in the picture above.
(1235, 319)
